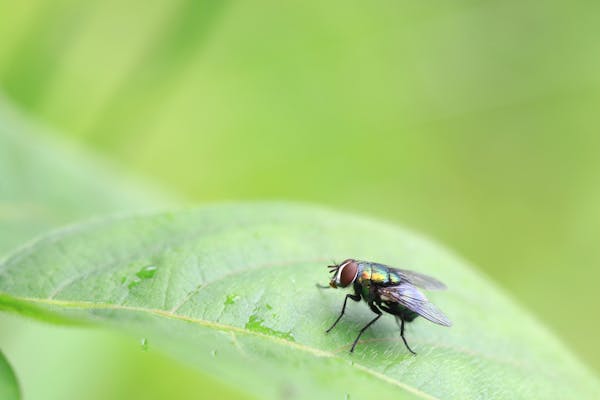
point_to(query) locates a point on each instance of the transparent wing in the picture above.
(410, 297)
(420, 280)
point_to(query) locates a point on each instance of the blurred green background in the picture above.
(475, 122)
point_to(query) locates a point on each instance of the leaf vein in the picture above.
(227, 328)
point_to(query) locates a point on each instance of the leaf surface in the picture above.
(46, 182)
(231, 290)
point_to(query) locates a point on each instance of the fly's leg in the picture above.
(376, 311)
(354, 297)
(400, 322)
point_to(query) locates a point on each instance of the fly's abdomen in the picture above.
(403, 312)
(407, 315)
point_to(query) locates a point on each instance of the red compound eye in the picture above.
(348, 272)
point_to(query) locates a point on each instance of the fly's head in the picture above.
(343, 274)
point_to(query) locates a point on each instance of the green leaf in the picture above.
(44, 183)
(231, 290)
(9, 388)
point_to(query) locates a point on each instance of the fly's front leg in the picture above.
(354, 297)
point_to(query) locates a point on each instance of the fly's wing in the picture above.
(410, 297)
(420, 280)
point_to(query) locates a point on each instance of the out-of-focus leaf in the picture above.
(45, 183)
(9, 388)
(230, 289)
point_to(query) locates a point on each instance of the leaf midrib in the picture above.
(172, 312)
(222, 327)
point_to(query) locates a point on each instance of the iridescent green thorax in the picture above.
(374, 274)
(377, 274)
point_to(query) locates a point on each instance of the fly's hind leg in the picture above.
(400, 322)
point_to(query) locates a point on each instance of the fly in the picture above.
(387, 289)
